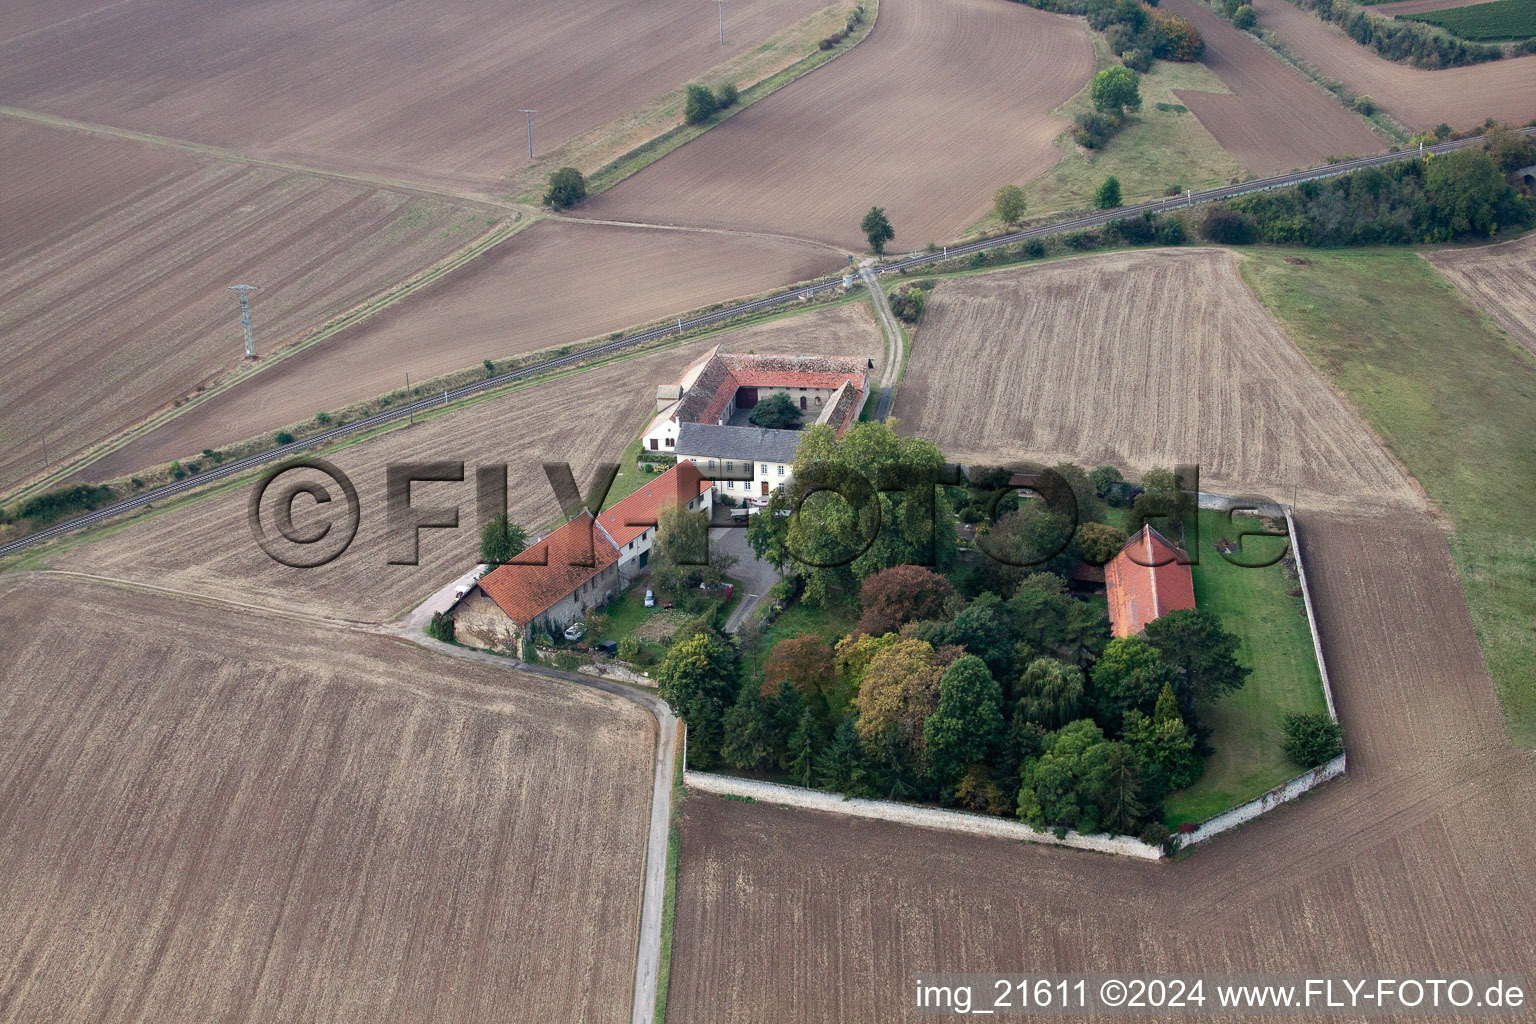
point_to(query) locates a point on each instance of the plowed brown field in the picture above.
(553, 283)
(1274, 120)
(211, 814)
(1137, 359)
(944, 102)
(1500, 280)
(115, 262)
(428, 89)
(1419, 99)
(206, 546)
(1421, 859)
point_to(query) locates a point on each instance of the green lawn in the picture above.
(1277, 644)
(832, 623)
(1455, 400)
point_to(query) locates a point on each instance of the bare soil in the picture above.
(944, 102)
(209, 813)
(1419, 856)
(1137, 359)
(1274, 120)
(115, 262)
(1500, 280)
(207, 547)
(425, 90)
(1419, 99)
(556, 282)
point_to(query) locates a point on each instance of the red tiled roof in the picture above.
(1148, 579)
(638, 512)
(543, 574)
(794, 379)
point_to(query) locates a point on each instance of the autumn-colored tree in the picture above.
(854, 653)
(901, 688)
(805, 663)
(901, 594)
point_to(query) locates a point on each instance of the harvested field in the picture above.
(417, 89)
(1500, 280)
(1419, 856)
(1137, 359)
(1419, 99)
(207, 547)
(553, 283)
(811, 159)
(115, 259)
(1274, 120)
(213, 814)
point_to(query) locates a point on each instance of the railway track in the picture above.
(684, 325)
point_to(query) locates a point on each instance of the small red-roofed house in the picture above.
(553, 581)
(631, 522)
(1149, 578)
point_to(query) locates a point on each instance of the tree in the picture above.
(750, 740)
(1049, 623)
(1466, 188)
(566, 188)
(893, 597)
(968, 723)
(1108, 195)
(1050, 692)
(1029, 540)
(727, 95)
(1079, 780)
(1009, 202)
(1099, 542)
(1312, 739)
(803, 663)
(1244, 18)
(800, 751)
(900, 688)
(1128, 677)
(877, 228)
(1174, 38)
(777, 412)
(1119, 785)
(1104, 480)
(698, 679)
(501, 540)
(1227, 227)
(700, 105)
(441, 628)
(984, 628)
(1115, 90)
(1203, 653)
(840, 767)
(1165, 747)
(680, 555)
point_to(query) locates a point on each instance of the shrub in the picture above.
(1174, 38)
(1312, 739)
(1093, 130)
(1227, 227)
(1137, 60)
(1244, 18)
(1171, 232)
(908, 303)
(629, 648)
(1115, 90)
(1365, 105)
(45, 508)
(700, 105)
(1081, 240)
(322, 418)
(1137, 230)
(1034, 248)
(441, 628)
(727, 95)
(566, 188)
(283, 437)
(490, 368)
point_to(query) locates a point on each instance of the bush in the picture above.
(727, 95)
(45, 508)
(441, 628)
(1171, 232)
(1227, 227)
(1137, 230)
(1137, 60)
(1244, 18)
(1312, 739)
(908, 303)
(1174, 38)
(700, 106)
(566, 188)
(1034, 248)
(1092, 131)
(283, 437)
(322, 418)
(1365, 106)
(1080, 240)
(629, 648)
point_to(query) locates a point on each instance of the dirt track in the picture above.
(553, 283)
(422, 90)
(943, 103)
(1421, 859)
(1274, 120)
(1500, 280)
(1138, 359)
(208, 814)
(1419, 99)
(115, 260)
(207, 547)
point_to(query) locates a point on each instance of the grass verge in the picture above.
(669, 897)
(1455, 400)
(1258, 606)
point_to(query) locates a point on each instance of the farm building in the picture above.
(556, 579)
(1146, 580)
(744, 462)
(721, 389)
(631, 523)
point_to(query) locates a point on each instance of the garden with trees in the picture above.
(942, 655)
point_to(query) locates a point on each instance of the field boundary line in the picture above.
(235, 156)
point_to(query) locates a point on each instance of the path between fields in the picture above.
(653, 891)
(892, 368)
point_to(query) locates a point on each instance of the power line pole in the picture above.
(720, 5)
(530, 114)
(245, 316)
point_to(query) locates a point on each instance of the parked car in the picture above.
(609, 647)
(650, 599)
(575, 631)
